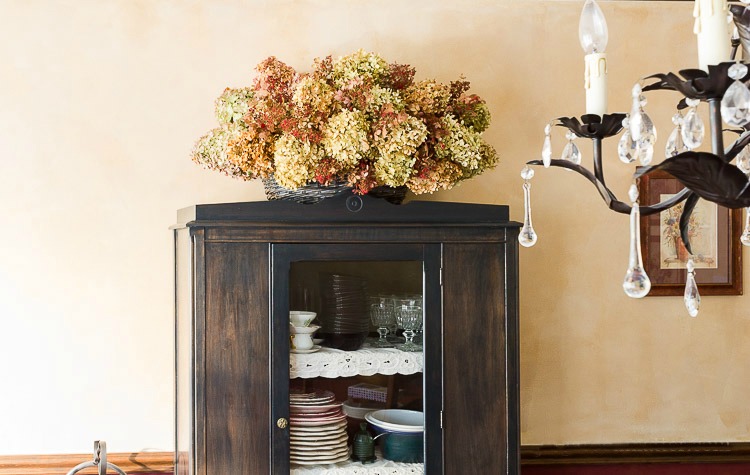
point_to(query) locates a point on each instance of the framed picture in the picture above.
(714, 237)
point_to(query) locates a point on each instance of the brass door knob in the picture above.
(282, 423)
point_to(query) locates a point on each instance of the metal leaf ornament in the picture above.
(592, 126)
(742, 20)
(687, 210)
(708, 176)
(696, 83)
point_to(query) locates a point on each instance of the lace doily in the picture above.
(379, 467)
(332, 363)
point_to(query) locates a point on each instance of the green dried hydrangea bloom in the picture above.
(359, 65)
(462, 145)
(210, 151)
(232, 105)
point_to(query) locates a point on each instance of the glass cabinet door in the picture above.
(356, 342)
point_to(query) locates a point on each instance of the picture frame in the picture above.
(715, 241)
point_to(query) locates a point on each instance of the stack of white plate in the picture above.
(317, 429)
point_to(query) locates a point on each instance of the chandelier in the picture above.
(720, 82)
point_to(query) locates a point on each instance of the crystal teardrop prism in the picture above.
(547, 147)
(636, 119)
(527, 237)
(571, 153)
(627, 148)
(745, 237)
(645, 153)
(742, 160)
(693, 129)
(636, 283)
(735, 105)
(692, 296)
(675, 145)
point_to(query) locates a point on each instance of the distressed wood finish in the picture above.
(478, 415)
(237, 358)
(242, 255)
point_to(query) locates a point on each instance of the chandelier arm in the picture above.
(609, 198)
(717, 139)
(742, 141)
(598, 169)
(666, 204)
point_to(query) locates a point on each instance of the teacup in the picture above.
(301, 341)
(301, 318)
(300, 338)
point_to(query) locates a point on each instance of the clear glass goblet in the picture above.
(409, 317)
(382, 316)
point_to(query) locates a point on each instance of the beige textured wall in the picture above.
(101, 102)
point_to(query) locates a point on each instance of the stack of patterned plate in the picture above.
(317, 429)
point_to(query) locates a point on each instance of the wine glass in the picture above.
(382, 316)
(409, 317)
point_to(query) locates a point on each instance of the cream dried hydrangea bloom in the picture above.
(295, 161)
(345, 138)
(397, 151)
(314, 94)
(382, 96)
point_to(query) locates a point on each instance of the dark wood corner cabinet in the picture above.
(238, 268)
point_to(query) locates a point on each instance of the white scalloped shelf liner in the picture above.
(332, 363)
(379, 467)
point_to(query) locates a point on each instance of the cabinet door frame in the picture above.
(282, 256)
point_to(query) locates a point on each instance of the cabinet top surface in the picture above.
(346, 209)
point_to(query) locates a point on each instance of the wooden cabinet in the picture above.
(234, 280)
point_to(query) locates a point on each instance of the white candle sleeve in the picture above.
(712, 29)
(595, 83)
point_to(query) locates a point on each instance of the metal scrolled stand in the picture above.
(100, 461)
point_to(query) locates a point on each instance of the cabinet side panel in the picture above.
(183, 351)
(475, 393)
(237, 349)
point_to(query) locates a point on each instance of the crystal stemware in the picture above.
(382, 317)
(409, 317)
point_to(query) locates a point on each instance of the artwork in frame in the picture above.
(714, 236)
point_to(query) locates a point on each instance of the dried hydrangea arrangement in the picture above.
(356, 119)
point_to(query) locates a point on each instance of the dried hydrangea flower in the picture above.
(232, 105)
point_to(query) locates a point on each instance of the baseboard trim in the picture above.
(132, 463)
(591, 454)
(719, 452)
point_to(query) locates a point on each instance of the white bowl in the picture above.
(301, 330)
(397, 420)
(301, 318)
(359, 411)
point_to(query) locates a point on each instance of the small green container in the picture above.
(364, 445)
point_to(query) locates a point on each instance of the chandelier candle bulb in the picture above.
(595, 83)
(712, 29)
(593, 35)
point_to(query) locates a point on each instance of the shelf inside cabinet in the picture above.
(333, 363)
(379, 467)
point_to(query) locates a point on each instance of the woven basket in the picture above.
(314, 192)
